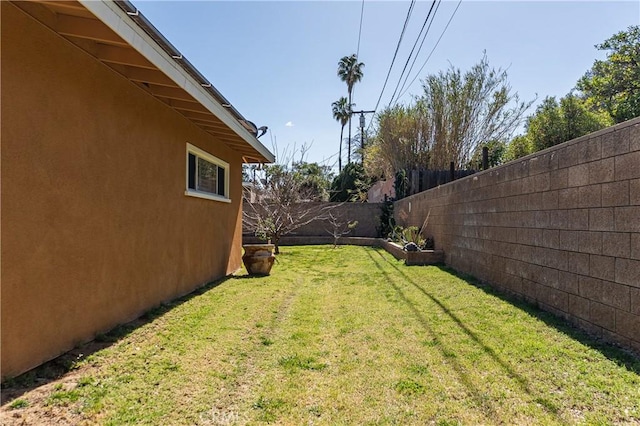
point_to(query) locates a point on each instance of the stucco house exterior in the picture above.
(121, 180)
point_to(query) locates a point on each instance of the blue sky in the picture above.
(276, 62)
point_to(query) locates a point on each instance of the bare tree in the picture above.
(339, 228)
(283, 203)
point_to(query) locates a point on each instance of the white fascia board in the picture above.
(115, 18)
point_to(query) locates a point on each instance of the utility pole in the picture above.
(362, 125)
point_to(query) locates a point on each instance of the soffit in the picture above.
(154, 71)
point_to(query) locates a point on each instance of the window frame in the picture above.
(199, 153)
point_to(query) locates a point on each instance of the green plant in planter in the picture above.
(396, 234)
(412, 234)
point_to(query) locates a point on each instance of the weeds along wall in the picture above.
(560, 228)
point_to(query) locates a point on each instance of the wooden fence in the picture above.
(423, 179)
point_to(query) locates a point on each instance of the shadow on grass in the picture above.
(247, 277)
(480, 397)
(620, 356)
(55, 369)
(440, 344)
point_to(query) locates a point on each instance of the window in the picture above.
(207, 176)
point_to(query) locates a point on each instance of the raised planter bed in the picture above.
(424, 257)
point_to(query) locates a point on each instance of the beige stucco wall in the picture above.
(96, 228)
(560, 227)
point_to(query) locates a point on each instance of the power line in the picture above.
(432, 50)
(413, 49)
(404, 27)
(360, 30)
(359, 34)
(415, 58)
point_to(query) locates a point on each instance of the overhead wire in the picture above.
(360, 30)
(395, 54)
(359, 35)
(424, 24)
(415, 58)
(432, 50)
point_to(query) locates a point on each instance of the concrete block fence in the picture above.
(367, 215)
(560, 228)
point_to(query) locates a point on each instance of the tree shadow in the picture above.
(621, 356)
(70, 361)
(446, 352)
(441, 345)
(247, 277)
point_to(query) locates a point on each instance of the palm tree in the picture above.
(350, 71)
(341, 112)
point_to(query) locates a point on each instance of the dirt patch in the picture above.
(27, 399)
(40, 410)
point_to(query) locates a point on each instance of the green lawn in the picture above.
(347, 336)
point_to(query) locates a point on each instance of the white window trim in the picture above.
(191, 149)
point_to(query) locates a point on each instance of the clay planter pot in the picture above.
(258, 258)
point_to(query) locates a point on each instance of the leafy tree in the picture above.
(341, 113)
(359, 153)
(613, 84)
(351, 184)
(350, 71)
(546, 127)
(518, 147)
(314, 178)
(554, 122)
(375, 165)
(387, 221)
(401, 184)
(497, 150)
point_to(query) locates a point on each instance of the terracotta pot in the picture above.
(258, 258)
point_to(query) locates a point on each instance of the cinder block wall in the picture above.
(560, 228)
(367, 215)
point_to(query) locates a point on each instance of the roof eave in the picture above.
(118, 18)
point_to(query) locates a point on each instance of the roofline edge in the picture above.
(118, 14)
